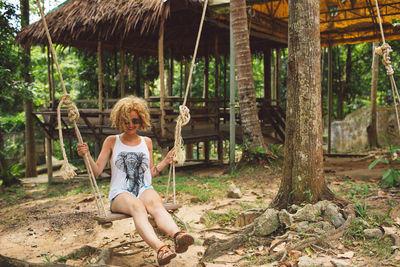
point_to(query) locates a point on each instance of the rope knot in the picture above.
(184, 115)
(73, 112)
(384, 50)
(67, 171)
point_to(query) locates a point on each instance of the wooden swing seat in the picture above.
(114, 216)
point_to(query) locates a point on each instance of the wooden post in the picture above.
(137, 62)
(100, 88)
(206, 78)
(146, 90)
(189, 151)
(161, 69)
(100, 78)
(206, 150)
(371, 130)
(267, 76)
(329, 96)
(232, 94)
(277, 76)
(122, 71)
(50, 75)
(219, 144)
(225, 86)
(171, 76)
(181, 81)
(49, 161)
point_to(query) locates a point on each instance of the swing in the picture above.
(103, 217)
(384, 51)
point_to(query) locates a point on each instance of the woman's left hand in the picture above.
(170, 156)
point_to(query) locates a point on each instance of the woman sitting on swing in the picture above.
(132, 170)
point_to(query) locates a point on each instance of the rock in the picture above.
(295, 207)
(285, 218)
(247, 217)
(339, 263)
(334, 215)
(321, 205)
(306, 261)
(302, 227)
(326, 226)
(234, 192)
(307, 213)
(373, 233)
(266, 223)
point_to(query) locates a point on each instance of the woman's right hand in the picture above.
(82, 149)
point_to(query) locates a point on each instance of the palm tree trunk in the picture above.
(252, 135)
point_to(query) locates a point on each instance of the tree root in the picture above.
(217, 247)
(221, 230)
(331, 235)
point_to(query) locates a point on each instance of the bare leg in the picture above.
(129, 204)
(153, 203)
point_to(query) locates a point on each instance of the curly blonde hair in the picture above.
(120, 112)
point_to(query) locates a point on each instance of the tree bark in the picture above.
(303, 179)
(252, 134)
(30, 153)
(371, 130)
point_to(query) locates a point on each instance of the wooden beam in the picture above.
(122, 71)
(161, 70)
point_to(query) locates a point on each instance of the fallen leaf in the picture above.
(88, 199)
(346, 255)
(294, 254)
(309, 251)
(239, 252)
(243, 246)
(274, 242)
(285, 263)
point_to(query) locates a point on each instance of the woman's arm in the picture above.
(156, 169)
(104, 155)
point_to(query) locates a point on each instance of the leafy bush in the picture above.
(390, 177)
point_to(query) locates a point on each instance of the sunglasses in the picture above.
(135, 121)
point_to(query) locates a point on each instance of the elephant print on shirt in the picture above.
(134, 164)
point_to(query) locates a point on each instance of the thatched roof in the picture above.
(135, 25)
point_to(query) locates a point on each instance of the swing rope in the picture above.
(384, 50)
(184, 116)
(73, 116)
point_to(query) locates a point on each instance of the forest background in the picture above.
(351, 83)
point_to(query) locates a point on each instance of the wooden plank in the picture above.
(111, 216)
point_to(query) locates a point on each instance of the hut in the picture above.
(156, 28)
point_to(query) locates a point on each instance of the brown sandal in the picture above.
(182, 241)
(165, 255)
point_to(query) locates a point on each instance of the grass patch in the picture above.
(221, 219)
(204, 188)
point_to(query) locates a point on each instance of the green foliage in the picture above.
(361, 210)
(356, 191)
(356, 228)
(390, 177)
(222, 219)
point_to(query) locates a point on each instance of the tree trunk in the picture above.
(252, 134)
(371, 130)
(303, 180)
(30, 154)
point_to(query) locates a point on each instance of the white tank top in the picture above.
(130, 168)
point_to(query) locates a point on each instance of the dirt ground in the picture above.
(41, 230)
